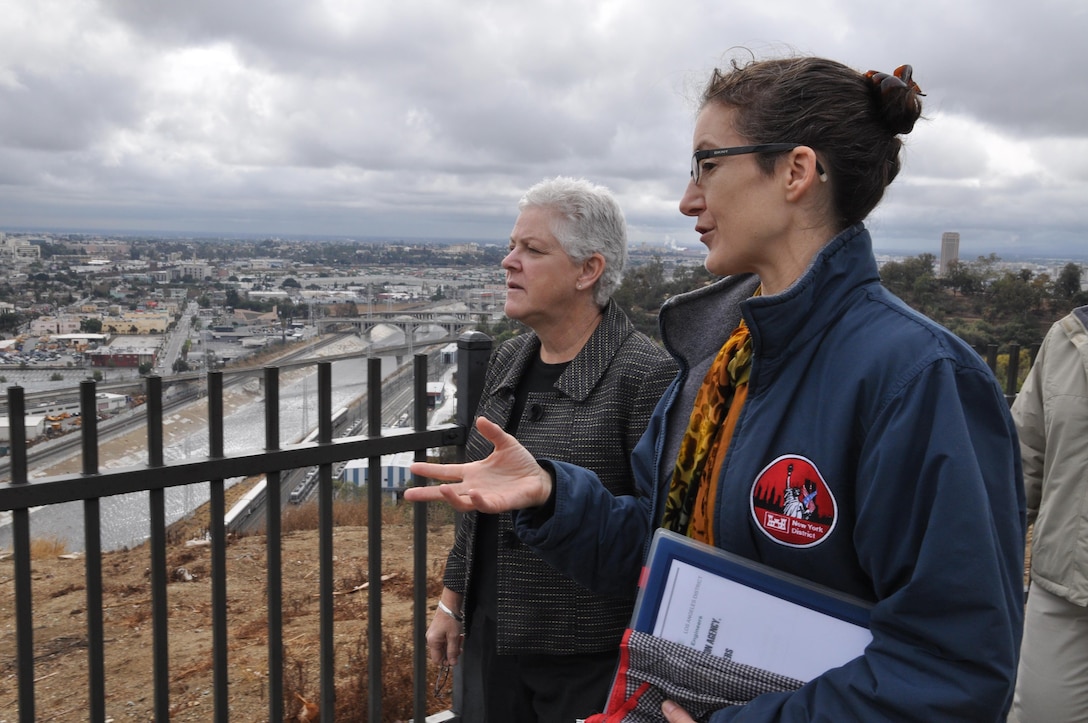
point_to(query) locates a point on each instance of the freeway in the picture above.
(297, 486)
(180, 390)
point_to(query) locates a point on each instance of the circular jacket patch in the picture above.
(792, 504)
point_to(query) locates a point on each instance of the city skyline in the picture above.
(966, 254)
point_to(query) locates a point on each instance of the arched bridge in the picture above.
(409, 322)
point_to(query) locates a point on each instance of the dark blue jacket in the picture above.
(899, 437)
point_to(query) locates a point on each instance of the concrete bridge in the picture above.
(408, 322)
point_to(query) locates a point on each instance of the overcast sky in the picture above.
(420, 118)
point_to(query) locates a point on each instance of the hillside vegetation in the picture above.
(981, 301)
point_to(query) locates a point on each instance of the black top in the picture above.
(538, 377)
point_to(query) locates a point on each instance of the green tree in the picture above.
(90, 325)
(1067, 285)
(641, 294)
(964, 278)
(1014, 296)
(9, 322)
(912, 280)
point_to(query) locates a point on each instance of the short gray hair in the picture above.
(589, 221)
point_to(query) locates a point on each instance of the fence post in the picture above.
(20, 518)
(1035, 351)
(92, 548)
(419, 550)
(991, 357)
(374, 543)
(473, 353)
(1013, 372)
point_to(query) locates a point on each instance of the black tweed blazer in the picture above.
(593, 417)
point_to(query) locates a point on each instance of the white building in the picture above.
(34, 423)
(52, 325)
(395, 476)
(18, 250)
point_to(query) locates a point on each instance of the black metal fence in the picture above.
(1011, 382)
(92, 485)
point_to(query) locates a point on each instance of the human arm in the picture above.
(598, 533)
(510, 479)
(597, 538)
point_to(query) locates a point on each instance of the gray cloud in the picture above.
(419, 118)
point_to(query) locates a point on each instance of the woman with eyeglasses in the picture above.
(805, 384)
(580, 386)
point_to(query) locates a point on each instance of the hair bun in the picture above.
(897, 97)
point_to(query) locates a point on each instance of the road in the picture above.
(297, 486)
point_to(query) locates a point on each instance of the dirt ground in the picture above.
(60, 627)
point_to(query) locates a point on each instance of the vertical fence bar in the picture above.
(991, 357)
(419, 539)
(217, 531)
(473, 353)
(1013, 372)
(20, 528)
(157, 503)
(324, 545)
(92, 547)
(374, 543)
(273, 548)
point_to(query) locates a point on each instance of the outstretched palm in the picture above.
(507, 479)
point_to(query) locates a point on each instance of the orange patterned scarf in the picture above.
(717, 405)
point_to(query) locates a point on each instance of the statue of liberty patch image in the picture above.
(792, 504)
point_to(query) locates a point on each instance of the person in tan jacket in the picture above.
(1051, 416)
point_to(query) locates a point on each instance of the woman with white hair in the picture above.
(580, 386)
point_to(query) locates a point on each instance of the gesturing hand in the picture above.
(507, 479)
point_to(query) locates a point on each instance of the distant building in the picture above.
(138, 322)
(34, 427)
(63, 324)
(436, 394)
(127, 352)
(395, 475)
(18, 250)
(950, 251)
(488, 298)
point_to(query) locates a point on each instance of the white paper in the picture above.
(726, 618)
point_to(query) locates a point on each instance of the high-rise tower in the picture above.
(950, 251)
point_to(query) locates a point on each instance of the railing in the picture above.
(92, 484)
(1012, 371)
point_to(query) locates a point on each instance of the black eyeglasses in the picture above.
(698, 157)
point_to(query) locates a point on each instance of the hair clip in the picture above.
(901, 78)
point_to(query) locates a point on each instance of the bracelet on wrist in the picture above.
(445, 608)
